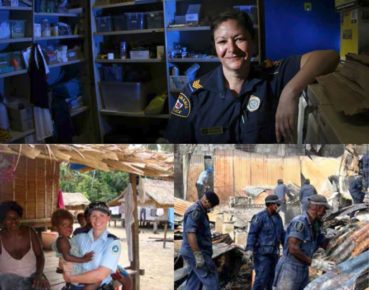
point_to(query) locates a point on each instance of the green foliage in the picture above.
(95, 185)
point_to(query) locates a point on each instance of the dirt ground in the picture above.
(154, 259)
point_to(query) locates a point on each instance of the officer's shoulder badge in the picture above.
(196, 214)
(254, 103)
(299, 226)
(115, 249)
(182, 108)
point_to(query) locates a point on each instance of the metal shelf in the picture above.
(15, 8)
(179, 60)
(151, 60)
(15, 40)
(45, 14)
(189, 28)
(125, 32)
(59, 37)
(78, 111)
(133, 115)
(19, 135)
(117, 5)
(65, 63)
(13, 73)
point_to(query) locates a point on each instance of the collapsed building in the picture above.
(347, 225)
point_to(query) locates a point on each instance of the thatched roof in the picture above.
(126, 158)
(73, 199)
(158, 193)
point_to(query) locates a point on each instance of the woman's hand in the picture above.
(286, 116)
(40, 282)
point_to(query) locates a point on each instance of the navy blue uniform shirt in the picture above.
(196, 221)
(266, 233)
(208, 112)
(309, 234)
(306, 191)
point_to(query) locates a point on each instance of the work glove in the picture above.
(199, 258)
(323, 265)
(249, 255)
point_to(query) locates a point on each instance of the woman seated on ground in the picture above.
(20, 249)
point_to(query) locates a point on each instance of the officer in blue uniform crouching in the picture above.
(239, 102)
(303, 238)
(265, 236)
(197, 247)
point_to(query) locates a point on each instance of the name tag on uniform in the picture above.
(212, 131)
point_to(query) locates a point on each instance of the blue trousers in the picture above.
(290, 275)
(205, 276)
(264, 266)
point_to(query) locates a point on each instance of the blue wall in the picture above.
(290, 30)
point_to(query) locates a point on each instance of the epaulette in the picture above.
(113, 237)
(195, 86)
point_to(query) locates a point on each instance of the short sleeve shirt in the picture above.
(106, 250)
(208, 112)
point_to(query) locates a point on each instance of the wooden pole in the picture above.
(135, 264)
(165, 228)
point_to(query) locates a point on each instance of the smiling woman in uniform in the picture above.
(239, 102)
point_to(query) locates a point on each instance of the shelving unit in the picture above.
(17, 82)
(113, 120)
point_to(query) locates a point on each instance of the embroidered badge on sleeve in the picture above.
(182, 108)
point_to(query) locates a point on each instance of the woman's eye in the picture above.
(221, 42)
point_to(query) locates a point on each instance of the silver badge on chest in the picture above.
(254, 103)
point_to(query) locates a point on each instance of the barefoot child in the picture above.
(62, 221)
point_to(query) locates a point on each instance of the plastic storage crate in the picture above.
(135, 20)
(17, 28)
(103, 24)
(155, 19)
(124, 97)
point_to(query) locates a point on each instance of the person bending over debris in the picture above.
(265, 236)
(306, 191)
(303, 238)
(356, 189)
(197, 247)
(203, 182)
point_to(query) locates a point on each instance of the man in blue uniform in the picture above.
(197, 247)
(265, 236)
(364, 162)
(303, 238)
(306, 191)
(203, 182)
(281, 190)
(356, 189)
(239, 102)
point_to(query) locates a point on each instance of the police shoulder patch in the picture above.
(115, 249)
(299, 226)
(182, 108)
(196, 215)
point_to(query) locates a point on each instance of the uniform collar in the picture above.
(202, 208)
(215, 82)
(103, 236)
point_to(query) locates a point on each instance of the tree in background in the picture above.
(96, 185)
